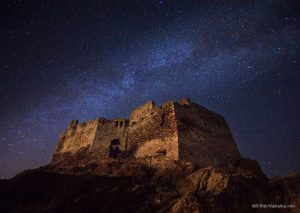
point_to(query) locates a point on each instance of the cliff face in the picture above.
(174, 131)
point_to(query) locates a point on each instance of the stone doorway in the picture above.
(114, 149)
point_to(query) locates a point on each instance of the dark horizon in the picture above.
(88, 59)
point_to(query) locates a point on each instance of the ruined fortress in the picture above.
(177, 157)
(173, 131)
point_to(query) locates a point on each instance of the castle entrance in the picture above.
(114, 148)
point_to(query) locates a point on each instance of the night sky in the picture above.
(86, 59)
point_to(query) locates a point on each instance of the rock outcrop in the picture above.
(133, 186)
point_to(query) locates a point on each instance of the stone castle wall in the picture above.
(153, 132)
(204, 136)
(77, 136)
(92, 137)
(173, 131)
(142, 112)
(106, 131)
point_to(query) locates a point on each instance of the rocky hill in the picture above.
(133, 186)
(179, 157)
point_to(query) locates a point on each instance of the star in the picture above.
(62, 63)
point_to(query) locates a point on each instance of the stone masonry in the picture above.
(173, 131)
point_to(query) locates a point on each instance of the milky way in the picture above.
(85, 59)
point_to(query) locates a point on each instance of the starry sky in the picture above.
(64, 60)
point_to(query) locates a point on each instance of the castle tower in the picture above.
(181, 131)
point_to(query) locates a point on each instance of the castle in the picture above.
(173, 131)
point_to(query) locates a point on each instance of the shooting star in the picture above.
(266, 70)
